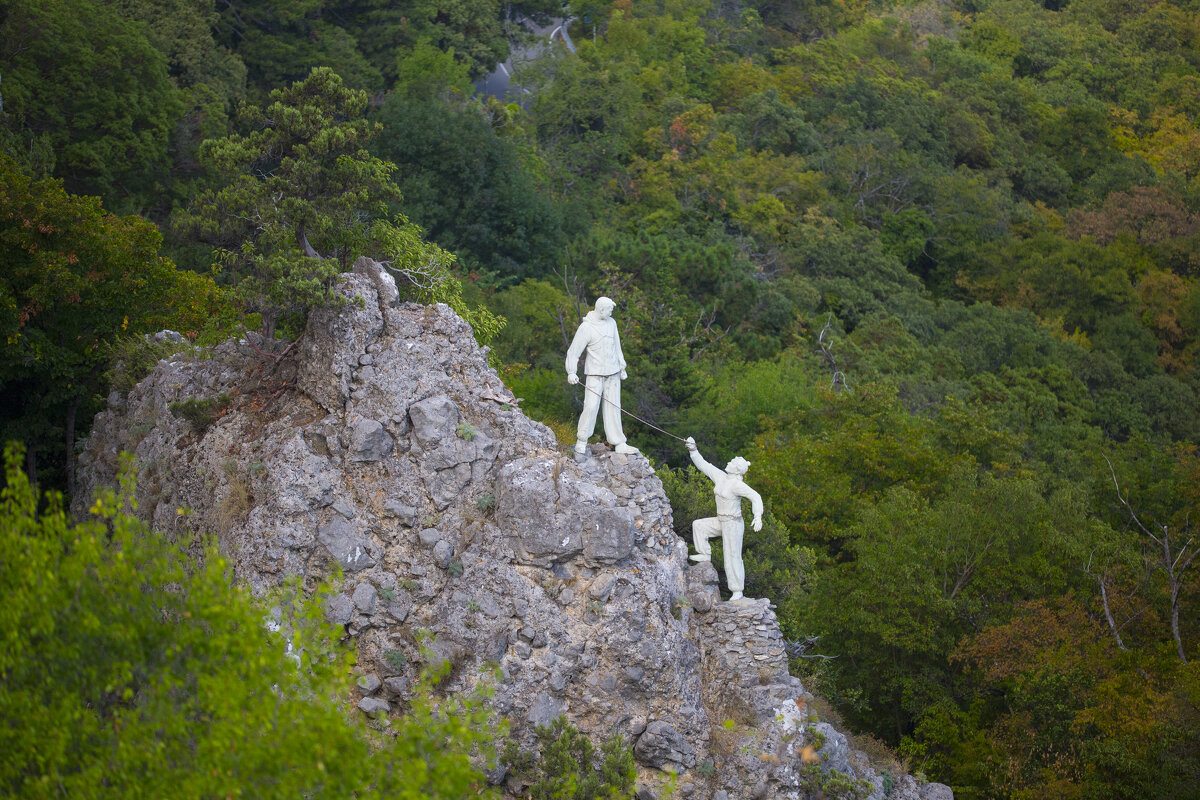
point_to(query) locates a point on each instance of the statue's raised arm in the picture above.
(729, 489)
(711, 472)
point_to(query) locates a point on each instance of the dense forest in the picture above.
(932, 267)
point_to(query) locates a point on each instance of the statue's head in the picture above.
(738, 466)
(604, 307)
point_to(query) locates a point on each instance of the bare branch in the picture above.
(1100, 579)
(1166, 562)
(838, 381)
(798, 648)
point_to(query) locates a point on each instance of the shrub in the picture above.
(567, 765)
(128, 668)
(200, 412)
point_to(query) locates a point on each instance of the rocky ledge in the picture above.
(385, 448)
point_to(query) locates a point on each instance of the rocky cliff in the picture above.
(384, 446)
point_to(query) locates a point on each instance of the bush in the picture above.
(567, 765)
(200, 412)
(130, 670)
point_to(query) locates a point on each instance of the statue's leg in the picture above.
(702, 531)
(612, 416)
(731, 550)
(587, 418)
(612, 410)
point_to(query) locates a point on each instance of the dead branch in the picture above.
(799, 648)
(276, 357)
(838, 381)
(1101, 579)
(1168, 563)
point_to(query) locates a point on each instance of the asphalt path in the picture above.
(499, 83)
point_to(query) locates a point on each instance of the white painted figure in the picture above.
(728, 523)
(603, 370)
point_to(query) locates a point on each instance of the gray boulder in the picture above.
(339, 610)
(347, 546)
(702, 587)
(373, 706)
(661, 746)
(364, 598)
(434, 420)
(383, 281)
(369, 441)
(443, 553)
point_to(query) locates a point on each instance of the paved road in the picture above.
(499, 83)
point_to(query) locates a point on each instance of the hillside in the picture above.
(387, 452)
(930, 265)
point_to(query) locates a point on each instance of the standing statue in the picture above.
(728, 523)
(603, 369)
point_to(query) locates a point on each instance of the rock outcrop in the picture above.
(384, 447)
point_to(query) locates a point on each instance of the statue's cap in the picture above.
(738, 466)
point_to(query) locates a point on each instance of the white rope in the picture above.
(603, 399)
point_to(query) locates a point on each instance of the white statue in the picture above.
(603, 370)
(728, 523)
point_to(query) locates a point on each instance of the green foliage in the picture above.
(567, 766)
(472, 188)
(77, 281)
(833, 784)
(395, 659)
(200, 412)
(281, 42)
(984, 218)
(134, 357)
(537, 313)
(127, 666)
(87, 98)
(303, 199)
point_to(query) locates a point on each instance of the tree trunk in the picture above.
(72, 410)
(1175, 621)
(268, 325)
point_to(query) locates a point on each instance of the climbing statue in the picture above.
(604, 369)
(728, 523)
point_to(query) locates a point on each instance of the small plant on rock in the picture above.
(200, 412)
(465, 430)
(395, 659)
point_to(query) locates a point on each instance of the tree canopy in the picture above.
(930, 266)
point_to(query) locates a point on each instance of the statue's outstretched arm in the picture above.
(756, 505)
(711, 472)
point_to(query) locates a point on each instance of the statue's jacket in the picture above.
(597, 337)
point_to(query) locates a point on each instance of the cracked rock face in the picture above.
(384, 447)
